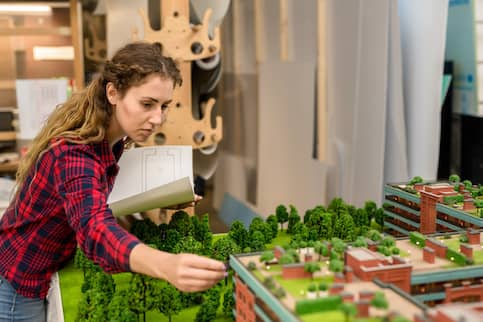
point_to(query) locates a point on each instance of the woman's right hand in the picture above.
(187, 272)
(193, 273)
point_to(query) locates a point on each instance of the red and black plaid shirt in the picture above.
(63, 204)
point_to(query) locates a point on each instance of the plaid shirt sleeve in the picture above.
(83, 187)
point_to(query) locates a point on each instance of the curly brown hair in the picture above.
(85, 116)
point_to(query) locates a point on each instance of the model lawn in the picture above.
(91, 295)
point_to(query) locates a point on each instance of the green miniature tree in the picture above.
(258, 224)
(251, 266)
(180, 221)
(370, 207)
(379, 301)
(273, 224)
(118, 309)
(344, 227)
(257, 241)
(223, 247)
(188, 245)
(147, 231)
(280, 293)
(454, 179)
(282, 215)
(467, 184)
(312, 267)
(374, 235)
(286, 259)
(293, 218)
(211, 302)
(228, 302)
(321, 249)
(360, 242)
(168, 300)
(239, 234)
(202, 232)
(349, 310)
(336, 265)
(415, 180)
(379, 217)
(266, 257)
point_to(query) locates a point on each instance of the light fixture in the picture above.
(23, 9)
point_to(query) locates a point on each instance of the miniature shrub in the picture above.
(463, 238)
(280, 293)
(320, 304)
(417, 239)
(456, 257)
(450, 200)
(252, 266)
(395, 251)
(312, 288)
(469, 261)
(323, 286)
(384, 250)
(269, 283)
(478, 203)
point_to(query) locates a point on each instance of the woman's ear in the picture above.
(111, 93)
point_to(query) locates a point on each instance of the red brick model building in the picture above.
(368, 265)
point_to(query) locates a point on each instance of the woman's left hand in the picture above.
(186, 205)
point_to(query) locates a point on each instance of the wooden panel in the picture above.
(76, 27)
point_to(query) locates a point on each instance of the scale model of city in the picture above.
(417, 258)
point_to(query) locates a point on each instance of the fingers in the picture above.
(196, 273)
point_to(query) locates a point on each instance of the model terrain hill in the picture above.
(337, 263)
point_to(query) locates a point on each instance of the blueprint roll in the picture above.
(423, 36)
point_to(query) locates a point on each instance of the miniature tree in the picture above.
(239, 234)
(273, 224)
(286, 259)
(141, 290)
(168, 300)
(202, 232)
(282, 215)
(312, 267)
(370, 207)
(360, 242)
(180, 221)
(467, 184)
(336, 265)
(258, 224)
(293, 218)
(415, 180)
(349, 310)
(337, 206)
(454, 179)
(280, 293)
(379, 301)
(321, 249)
(374, 235)
(228, 302)
(188, 245)
(171, 240)
(257, 241)
(388, 241)
(118, 309)
(223, 247)
(252, 266)
(211, 302)
(344, 227)
(379, 217)
(266, 257)
(147, 231)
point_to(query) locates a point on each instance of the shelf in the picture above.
(8, 136)
(7, 84)
(10, 166)
(32, 31)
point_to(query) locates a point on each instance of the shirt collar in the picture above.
(109, 156)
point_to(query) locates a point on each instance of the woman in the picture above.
(66, 177)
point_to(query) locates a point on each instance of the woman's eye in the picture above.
(147, 105)
(164, 107)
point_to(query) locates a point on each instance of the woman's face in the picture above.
(142, 109)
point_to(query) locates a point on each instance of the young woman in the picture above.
(66, 177)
